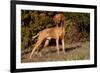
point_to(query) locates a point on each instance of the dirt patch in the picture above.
(74, 51)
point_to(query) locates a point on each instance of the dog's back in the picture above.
(52, 32)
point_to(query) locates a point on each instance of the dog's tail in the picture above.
(35, 36)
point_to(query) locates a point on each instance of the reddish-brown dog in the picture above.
(56, 33)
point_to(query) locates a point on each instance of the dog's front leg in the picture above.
(57, 45)
(63, 46)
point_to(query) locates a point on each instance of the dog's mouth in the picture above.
(59, 23)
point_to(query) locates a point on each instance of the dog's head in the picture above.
(59, 19)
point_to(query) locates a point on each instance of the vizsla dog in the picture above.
(56, 33)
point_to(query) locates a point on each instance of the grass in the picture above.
(80, 53)
(74, 51)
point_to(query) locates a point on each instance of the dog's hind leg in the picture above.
(46, 43)
(39, 41)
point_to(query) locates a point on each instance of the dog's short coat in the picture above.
(56, 33)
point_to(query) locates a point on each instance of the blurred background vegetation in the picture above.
(77, 26)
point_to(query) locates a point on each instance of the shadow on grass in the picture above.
(72, 48)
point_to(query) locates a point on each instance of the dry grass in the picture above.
(75, 51)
